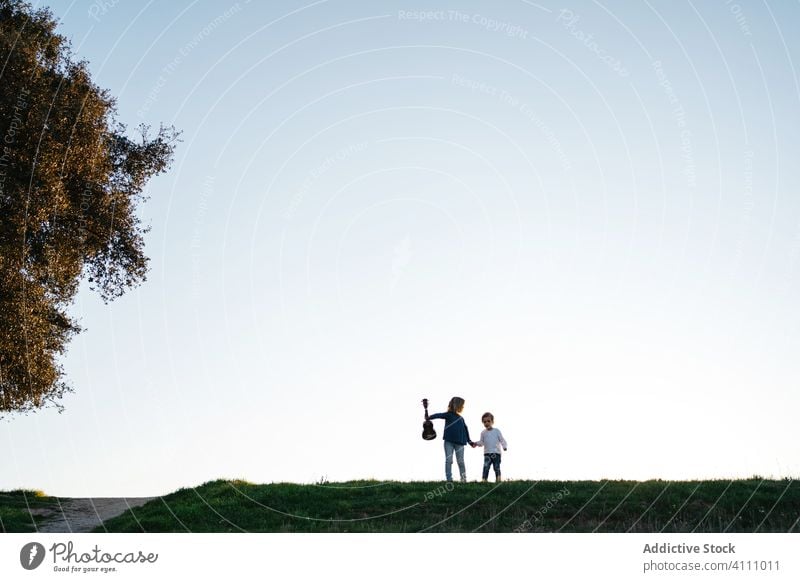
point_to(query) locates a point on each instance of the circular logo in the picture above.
(31, 555)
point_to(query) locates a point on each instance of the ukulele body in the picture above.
(428, 433)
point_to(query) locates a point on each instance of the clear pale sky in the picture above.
(580, 216)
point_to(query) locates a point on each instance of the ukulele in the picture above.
(427, 427)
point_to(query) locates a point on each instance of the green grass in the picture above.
(18, 510)
(373, 506)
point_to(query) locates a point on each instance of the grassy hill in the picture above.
(19, 509)
(752, 505)
(545, 506)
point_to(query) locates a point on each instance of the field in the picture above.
(753, 505)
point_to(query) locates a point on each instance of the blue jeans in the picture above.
(491, 459)
(448, 460)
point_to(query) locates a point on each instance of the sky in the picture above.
(580, 216)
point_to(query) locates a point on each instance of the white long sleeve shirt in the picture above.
(492, 441)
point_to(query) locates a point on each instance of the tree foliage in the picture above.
(70, 184)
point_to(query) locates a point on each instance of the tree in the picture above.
(70, 185)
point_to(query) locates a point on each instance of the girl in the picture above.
(456, 435)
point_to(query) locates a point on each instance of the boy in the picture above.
(491, 440)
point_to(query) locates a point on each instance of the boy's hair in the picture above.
(455, 404)
(488, 415)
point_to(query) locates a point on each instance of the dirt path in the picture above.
(83, 514)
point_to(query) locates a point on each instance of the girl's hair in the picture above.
(488, 415)
(455, 405)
